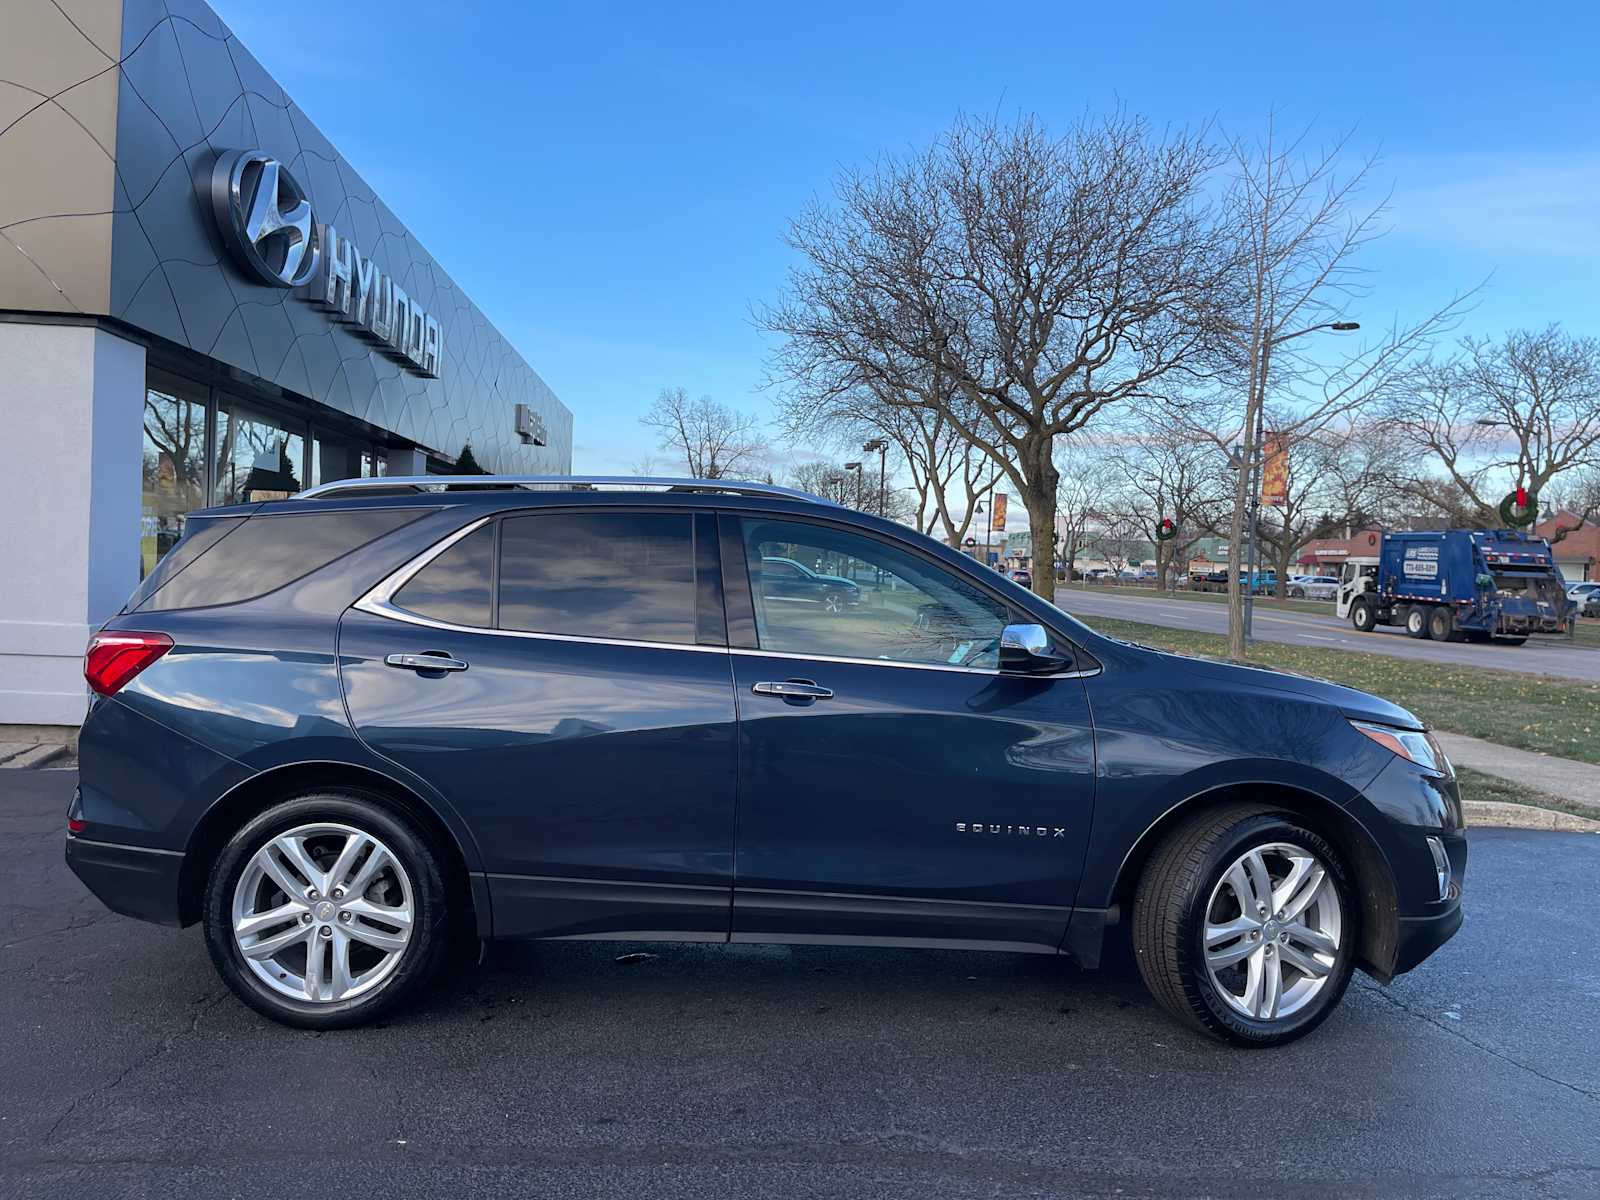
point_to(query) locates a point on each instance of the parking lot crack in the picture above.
(1461, 1034)
(200, 1008)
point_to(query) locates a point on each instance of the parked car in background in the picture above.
(341, 731)
(1022, 576)
(795, 583)
(1579, 593)
(1313, 587)
(1591, 605)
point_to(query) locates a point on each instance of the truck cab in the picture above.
(1356, 575)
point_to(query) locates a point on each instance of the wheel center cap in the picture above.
(324, 910)
(1270, 931)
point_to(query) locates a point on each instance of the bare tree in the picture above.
(832, 482)
(1520, 412)
(1163, 473)
(1079, 488)
(1299, 229)
(714, 441)
(1119, 538)
(1040, 278)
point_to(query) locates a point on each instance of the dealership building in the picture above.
(201, 302)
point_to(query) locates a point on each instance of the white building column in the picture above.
(71, 441)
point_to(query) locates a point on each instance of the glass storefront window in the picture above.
(333, 459)
(174, 471)
(257, 458)
(373, 464)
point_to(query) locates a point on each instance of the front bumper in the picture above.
(1418, 937)
(131, 880)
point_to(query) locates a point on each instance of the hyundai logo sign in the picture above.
(266, 222)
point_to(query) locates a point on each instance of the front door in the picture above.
(581, 721)
(894, 784)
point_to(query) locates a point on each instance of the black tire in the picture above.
(1511, 641)
(1169, 918)
(1362, 615)
(1298, 593)
(423, 954)
(1416, 621)
(1442, 624)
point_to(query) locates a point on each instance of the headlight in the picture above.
(1413, 744)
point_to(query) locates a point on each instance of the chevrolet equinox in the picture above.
(343, 730)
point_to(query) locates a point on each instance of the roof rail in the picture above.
(577, 483)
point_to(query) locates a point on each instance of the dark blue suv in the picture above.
(345, 730)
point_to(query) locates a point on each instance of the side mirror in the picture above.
(1027, 649)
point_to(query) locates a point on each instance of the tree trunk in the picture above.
(1241, 505)
(1039, 472)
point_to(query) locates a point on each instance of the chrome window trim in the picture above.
(379, 602)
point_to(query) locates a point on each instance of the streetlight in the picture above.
(1255, 465)
(881, 445)
(856, 467)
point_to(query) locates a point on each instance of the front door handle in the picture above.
(431, 660)
(802, 690)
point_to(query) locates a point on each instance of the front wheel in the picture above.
(1298, 593)
(1361, 615)
(1244, 925)
(326, 911)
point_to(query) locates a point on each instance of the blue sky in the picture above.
(611, 182)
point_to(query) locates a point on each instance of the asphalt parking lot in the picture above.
(553, 1070)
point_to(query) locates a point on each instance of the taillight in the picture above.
(114, 658)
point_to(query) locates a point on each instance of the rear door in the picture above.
(580, 719)
(894, 784)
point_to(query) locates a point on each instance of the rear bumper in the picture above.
(131, 880)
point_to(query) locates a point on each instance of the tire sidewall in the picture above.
(1440, 626)
(429, 932)
(1203, 993)
(1420, 617)
(1361, 616)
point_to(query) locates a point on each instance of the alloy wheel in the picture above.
(323, 913)
(1273, 926)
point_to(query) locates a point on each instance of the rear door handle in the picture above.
(793, 689)
(432, 660)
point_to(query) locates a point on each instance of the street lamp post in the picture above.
(1256, 463)
(856, 467)
(881, 445)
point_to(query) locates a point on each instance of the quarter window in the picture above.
(821, 591)
(613, 575)
(455, 586)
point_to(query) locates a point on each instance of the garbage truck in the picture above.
(1458, 585)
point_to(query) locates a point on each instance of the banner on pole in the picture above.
(998, 524)
(1275, 471)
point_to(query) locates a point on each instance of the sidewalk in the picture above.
(29, 754)
(1578, 783)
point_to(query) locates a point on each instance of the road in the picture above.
(1309, 629)
(554, 1070)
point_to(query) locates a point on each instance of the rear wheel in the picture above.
(1297, 593)
(1442, 625)
(326, 911)
(1361, 615)
(1244, 926)
(1417, 622)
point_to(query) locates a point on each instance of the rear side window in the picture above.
(617, 575)
(196, 541)
(266, 552)
(455, 586)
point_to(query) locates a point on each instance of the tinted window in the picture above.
(455, 586)
(267, 552)
(196, 541)
(864, 599)
(617, 575)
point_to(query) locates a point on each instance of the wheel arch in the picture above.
(1373, 876)
(232, 809)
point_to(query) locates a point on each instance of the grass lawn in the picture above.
(1531, 712)
(1475, 785)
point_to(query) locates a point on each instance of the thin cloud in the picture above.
(1504, 207)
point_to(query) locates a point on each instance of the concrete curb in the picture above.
(13, 755)
(1483, 814)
